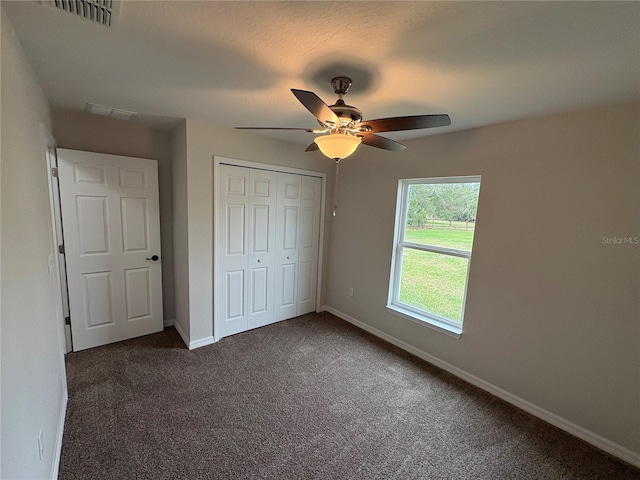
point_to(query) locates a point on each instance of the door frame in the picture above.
(217, 161)
(57, 265)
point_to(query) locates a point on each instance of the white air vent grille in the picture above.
(109, 111)
(104, 12)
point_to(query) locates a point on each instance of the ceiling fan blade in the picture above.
(414, 122)
(381, 142)
(311, 148)
(274, 128)
(317, 107)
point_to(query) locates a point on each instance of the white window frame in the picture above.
(394, 304)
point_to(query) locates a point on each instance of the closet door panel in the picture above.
(287, 236)
(262, 243)
(232, 281)
(310, 202)
(305, 270)
(268, 237)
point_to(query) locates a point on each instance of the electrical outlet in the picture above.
(41, 445)
(351, 291)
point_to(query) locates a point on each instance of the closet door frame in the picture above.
(217, 161)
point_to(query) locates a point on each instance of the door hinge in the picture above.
(54, 172)
(61, 249)
(67, 320)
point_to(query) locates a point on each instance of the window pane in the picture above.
(433, 282)
(442, 214)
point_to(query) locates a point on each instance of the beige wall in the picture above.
(203, 142)
(33, 383)
(93, 133)
(552, 314)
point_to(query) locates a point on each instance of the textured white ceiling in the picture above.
(233, 63)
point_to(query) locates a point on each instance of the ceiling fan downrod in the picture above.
(349, 115)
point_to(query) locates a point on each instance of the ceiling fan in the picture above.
(342, 128)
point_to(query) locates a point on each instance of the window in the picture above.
(435, 225)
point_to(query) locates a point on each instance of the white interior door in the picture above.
(287, 223)
(262, 240)
(246, 212)
(232, 235)
(309, 232)
(111, 221)
(267, 246)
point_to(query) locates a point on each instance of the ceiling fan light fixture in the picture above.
(337, 145)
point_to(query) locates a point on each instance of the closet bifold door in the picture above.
(309, 233)
(287, 225)
(262, 241)
(233, 217)
(247, 212)
(267, 247)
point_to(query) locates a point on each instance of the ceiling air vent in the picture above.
(109, 111)
(104, 12)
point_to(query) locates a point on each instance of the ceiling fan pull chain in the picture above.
(335, 187)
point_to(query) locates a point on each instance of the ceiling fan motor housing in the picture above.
(346, 113)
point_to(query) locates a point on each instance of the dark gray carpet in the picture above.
(308, 398)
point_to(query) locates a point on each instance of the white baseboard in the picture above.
(201, 342)
(588, 436)
(193, 344)
(55, 467)
(184, 337)
(168, 323)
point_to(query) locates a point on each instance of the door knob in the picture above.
(288, 257)
(155, 258)
(259, 260)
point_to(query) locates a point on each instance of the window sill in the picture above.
(441, 327)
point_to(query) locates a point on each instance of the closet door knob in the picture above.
(259, 260)
(288, 257)
(155, 258)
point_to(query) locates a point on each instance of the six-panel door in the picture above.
(268, 231)
(110, 217)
